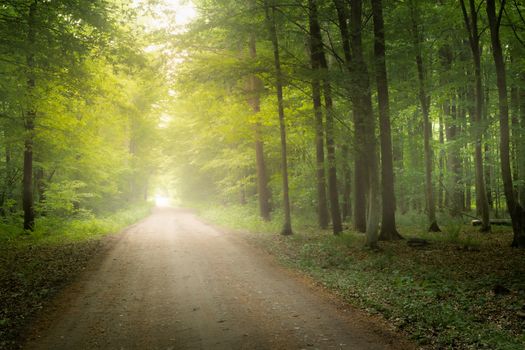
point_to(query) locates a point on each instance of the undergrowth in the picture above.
(444, 295)
(35, 266)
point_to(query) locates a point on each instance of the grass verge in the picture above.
(35, 267)
(465, 290)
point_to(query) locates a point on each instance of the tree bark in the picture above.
(262, 178)
(441, 189)
(521, 152)
(427, 127)
(347, 185)
(360, 171)
(322, 207)
(318, 55)
(388, 222)
(287, 225)
(362, 100)
(489, 173)
(29, 125)
(455, 191)
(516, 211)
(471, 23)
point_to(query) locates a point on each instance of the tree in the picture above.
(515, 208)
(360, 171)
(270, 17)
(254, 100)
(29, 122)
(471, 24)
(318, 56)
(427, 127)
(322, 208)
(388, 221)
(366, 141)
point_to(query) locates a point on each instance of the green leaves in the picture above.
(64, 199)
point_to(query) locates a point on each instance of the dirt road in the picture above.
(173, 282)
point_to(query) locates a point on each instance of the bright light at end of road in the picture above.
(161, 201)
(165, 14)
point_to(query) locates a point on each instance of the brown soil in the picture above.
(173, 282)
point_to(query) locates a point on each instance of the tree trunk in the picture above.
(262, 178)
(521, 151)
(347, 185)
(427, 127)
(315, 53)
(366, 141)
(518, 123)
(471, 24)
(441, 188)
(402, 203)
(489, 172)
(287, 225)
(360, 171)
(319, 56)
(468, 185)
(337, 225)
(322, 207)
(388, 221)
(455, 192)
(516, 211)
(29, 125)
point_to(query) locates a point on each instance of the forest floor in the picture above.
(173, 282)
(464, 290)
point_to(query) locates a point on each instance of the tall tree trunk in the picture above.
(441, 161)
(367, 142)
(318, 55)
(468, 185)
(347, 185)
(337, 225)
(315, 53)
(388, 221)
(521, 152)
(287, 225)
(29, 124)
(516, 211)
(453, 163)
(517, 101)
(487, 153)
(263, 192)
(402, 202)
(471, 24)
(360, 171)
(322, 207)
(427, 127)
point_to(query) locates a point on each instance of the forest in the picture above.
(346, 135)
(354, 111)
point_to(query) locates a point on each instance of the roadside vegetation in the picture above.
(34, 267)
(463, 290)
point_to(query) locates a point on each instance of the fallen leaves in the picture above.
(30, 274)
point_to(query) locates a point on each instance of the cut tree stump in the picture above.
(497, 222)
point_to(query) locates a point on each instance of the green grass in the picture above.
(34, 267)
(441, 296)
